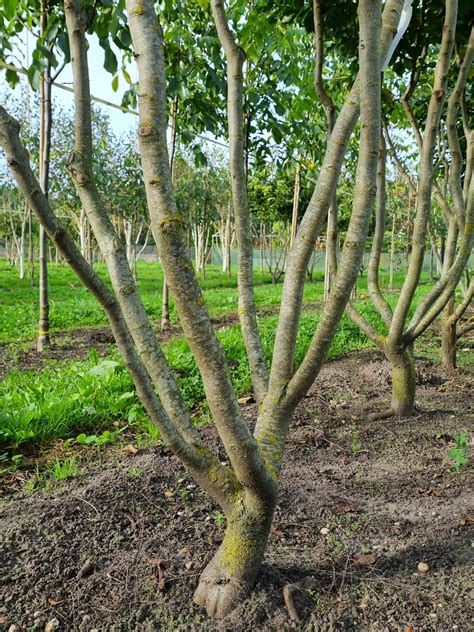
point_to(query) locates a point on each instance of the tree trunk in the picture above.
(230, 574)
(45, 148)
(31, 250)
(226, 232)
(165, 307)
(403, 382)
(448, 337)
(43, 325)
(392, 255)
(296, 203)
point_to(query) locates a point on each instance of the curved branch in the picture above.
(451, 122)
(292, 295)
(426, 175)
(111, 246)
(364, 197)
(373, 284)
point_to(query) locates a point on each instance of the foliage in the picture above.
(458, 454)
(61, 400)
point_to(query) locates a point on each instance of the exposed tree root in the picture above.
(292, 590)
(218, 591)
(383, 414)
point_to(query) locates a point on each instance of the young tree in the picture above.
(398, 343)
(247, 489)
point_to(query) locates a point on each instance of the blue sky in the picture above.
(100, 82)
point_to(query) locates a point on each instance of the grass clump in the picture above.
(61, 401)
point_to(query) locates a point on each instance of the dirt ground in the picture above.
(120, 547)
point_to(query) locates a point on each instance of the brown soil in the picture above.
(121, 547)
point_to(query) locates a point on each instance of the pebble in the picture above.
(423, 567)
(52, 625)
(37, 614)
(14, 628)
(324, 531)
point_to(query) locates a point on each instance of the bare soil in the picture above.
(120, 548)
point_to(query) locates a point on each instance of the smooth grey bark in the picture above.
(364, 197)
(31, 250)
(373, 282)
(109, 241)
(398, 345)
(423, 203)
(235, 57)
(296, 203)
(332, 236)
(165, 298)
(248, 492)
(168, 230)
(43, 339)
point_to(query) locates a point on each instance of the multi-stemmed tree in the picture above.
(246, 489)
(402, 331)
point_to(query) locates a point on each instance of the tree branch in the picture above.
(168, 230)
(238, 177)
(426, 176)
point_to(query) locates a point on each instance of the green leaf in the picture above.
(104, 369)
(204, 4)
(10, 8)
(126, 76)
(110, 61)
(63, 44)
(34, 76)
(12, 78)
(115, 83)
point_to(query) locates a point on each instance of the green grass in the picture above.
(86, 398)
(72, 306)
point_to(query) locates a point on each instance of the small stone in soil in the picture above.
(324, 531)
(423, 567)
(52, 625)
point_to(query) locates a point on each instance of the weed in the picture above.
(356, 445)
(183, 493)
(219, 519)
(61, 470)
(335, 544)
(134, 472)
(15, 460)
(458, 454)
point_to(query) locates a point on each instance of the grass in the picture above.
(72, 306)
(92, 401)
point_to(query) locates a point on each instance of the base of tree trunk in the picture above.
(228, 578)
(43, 342)
(448, 347)
(403, 383)
(218, 591)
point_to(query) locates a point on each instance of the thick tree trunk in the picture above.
(230, 574)
(403, 382)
